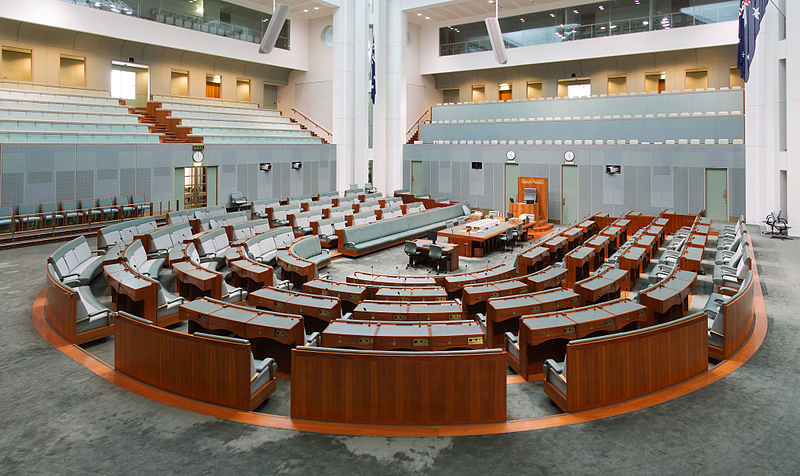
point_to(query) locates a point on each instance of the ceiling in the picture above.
(304, 9)
(462, 11)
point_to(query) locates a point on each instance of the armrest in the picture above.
(95, 316)
(347, 315)
(481, 317)
(558, 368)
(172, 303)
(350, 245)
(728, 291)
(727, 269)
(510, 338)
(715, 333)
(314, 339)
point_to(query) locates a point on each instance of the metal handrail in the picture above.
(410, 132)
(326, 131)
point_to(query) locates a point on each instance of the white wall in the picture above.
(310, 91)
(59, 14)
(421, 91)
(765, 159)
(715, 34)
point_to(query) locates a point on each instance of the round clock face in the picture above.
(197, 156)
(511, 155)
(569, 156)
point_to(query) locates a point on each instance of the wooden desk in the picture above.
(475, 243)
(349, 294)
(316, 310)
(589, 228)
(579, 263)
(545, 336)
(697, 241)
(408, 311)
(574, 237)
(614, 234)
(250, 275)
(132, 292)
(691, 259)
(657, 232)
(382, 280)
(503, 313)
(550, 277)
(410, 294)
(448, 249)
(456, 282)
(296, 270)
(634, 261)
(669, 299)
(532, 260)
(271, 334)
(602, 286)
(599, 244)
(648, 242)
(427, 336)
(518, 209)
(557, 247)
(474, 296)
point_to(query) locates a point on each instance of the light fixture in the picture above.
(296, 165)
(602, 27)
(265, 166)
(504, 87)
(419, 14)
(522, 20)
(316, 8)
(613, 26)
(305, 10)
(601, 7)
(575, 11)
(552, 15)
(427, 18)
(645, 22)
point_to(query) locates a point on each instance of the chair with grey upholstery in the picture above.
(438, 257)
(88, 210)
(556, 374)
(238, 200)
(413, 252)
(519, 234)
(107, 208)
(140, 206)
(725, 253)
(731, 276)
(506, 238)
(310, 249)
(50, 214)
(6, 218)
(70, 210)
(74, 263)
(27, 217)
(123, 203)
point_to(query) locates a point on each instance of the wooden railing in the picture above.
(317, 129)
(414, 128)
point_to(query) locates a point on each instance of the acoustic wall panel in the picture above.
(127, 181)
(644, 190)
(697, 188)
(680, 190)
(65, 186)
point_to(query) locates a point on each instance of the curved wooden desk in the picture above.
(550, 277)
(408, 311)
(474, 296)
(558, 246)
(270, 334)
(669, 299)
(430, 336)
(579, 263)
(246, 273)
(533, 260)
(410, 294)
(503, 313)
(574, 237)
(316, 310)
(545, 336)
(600, 244)
(455, 283)
(382, 280)
(603, 286)
(475, 243)
(349, 294)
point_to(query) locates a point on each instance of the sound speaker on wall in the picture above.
(274, 26)
(496, 38)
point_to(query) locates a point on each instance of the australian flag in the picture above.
(372, 82)
(750, 14)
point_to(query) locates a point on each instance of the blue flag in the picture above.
(372, 84)
(750, 14)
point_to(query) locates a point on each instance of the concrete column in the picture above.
(350, 87)
(390, 102)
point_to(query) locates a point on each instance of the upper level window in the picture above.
(605, 18)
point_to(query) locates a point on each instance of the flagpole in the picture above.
(777, 8)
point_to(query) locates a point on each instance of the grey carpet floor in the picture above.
(58, 417)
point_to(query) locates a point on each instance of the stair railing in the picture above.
(311, 125)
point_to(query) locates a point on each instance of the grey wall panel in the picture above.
(13, 188)
(680, 190)
(736, 201)
(554, 190)
(697, 188)
(241, 179)
(65, 186)
(40, 179)
(585, 198)
(252, 181)
(127, 181)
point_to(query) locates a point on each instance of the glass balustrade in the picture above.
(214, 17)
(619, 17)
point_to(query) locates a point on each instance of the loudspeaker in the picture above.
(274, 28)
(296, 165)
(265, 166)
(496, 38)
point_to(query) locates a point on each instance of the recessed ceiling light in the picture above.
(316, 8)
(575, 11)
(427, 18)
(601, 7)
(645, 22)
(305, 10)
(552, 15)
(419, 14)
(522, 20)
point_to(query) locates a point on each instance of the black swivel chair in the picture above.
(413, 253)
(432, 236)
(519, 233)
(438, 257)
(508, 237)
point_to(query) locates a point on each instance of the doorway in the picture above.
(696, 79)
(131, 82)
(195, 187)
(416, 177)
(270, 96)
(213, 86)
(717, 194)
(569, 194)
(511, 175)
(655, 82)
(504, 92)
(478, 94)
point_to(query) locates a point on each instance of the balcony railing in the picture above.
(185, 15)
(689, 16)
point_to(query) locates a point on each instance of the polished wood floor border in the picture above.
(107, 372)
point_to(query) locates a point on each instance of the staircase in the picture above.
(160, 122)
(414, 138)
(313, 134)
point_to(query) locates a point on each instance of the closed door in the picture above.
(717, 194)
(512, 172)
(270, 96)
(505, 95)
(416, 177)
(569, 194)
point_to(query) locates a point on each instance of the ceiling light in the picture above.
(602, 27)
(427, 18)
(522, 20)
(613, 26)
(419, 14)
(552, 15)
(575, 11)
(645, 22)
(316, 8)
(305, 10)
(601, 7)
